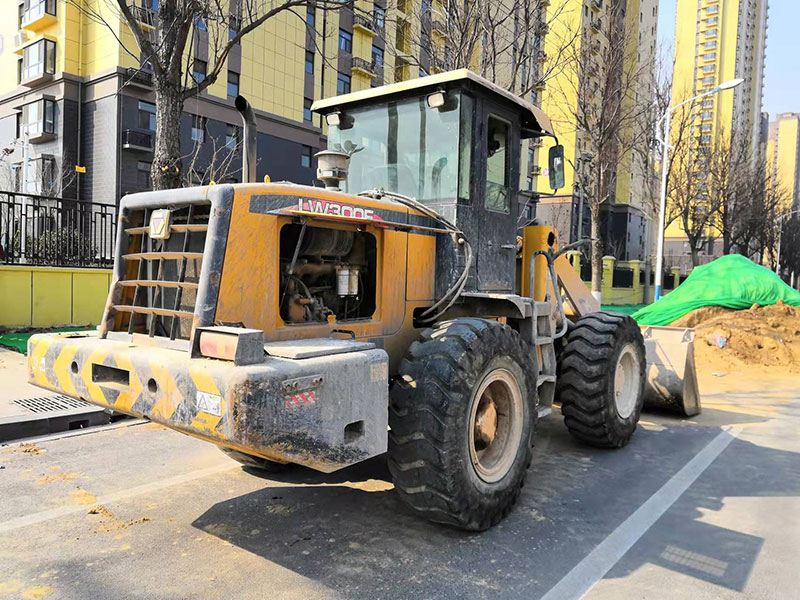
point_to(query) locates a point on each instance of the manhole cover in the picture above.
(50, 403)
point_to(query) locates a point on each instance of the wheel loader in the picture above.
(390, 309)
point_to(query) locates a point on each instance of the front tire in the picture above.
(601, 378)
(462, 417)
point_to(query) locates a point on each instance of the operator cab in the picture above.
(451, 141)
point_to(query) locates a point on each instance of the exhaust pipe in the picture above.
(250, 150)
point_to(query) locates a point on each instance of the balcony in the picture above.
(364, 67)
(596, 25)
(38, 63)
(138, 78)
(137, 140)
(537, 142)
(597, 5)
(145, 16)
(39, 14)
(536, 170)
(365, 25)
(439, 27)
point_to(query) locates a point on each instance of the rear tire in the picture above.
(601, 378)
(462, 417)
(256, 462)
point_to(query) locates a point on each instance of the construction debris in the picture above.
(761, 335)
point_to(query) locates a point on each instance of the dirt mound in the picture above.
(733, 339)
(699, 315)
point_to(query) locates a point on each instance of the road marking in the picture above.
(63, 511)
(599, 561)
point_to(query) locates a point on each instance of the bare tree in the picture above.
(604, 74)
(215, 164)
(502, 41)
(164, 40)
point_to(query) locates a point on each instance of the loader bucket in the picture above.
(671, 375)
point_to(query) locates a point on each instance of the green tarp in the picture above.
(731, 281)
(19, 341)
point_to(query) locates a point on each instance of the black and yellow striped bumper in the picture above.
(325, 412)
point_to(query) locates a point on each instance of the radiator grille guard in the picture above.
(159, 282)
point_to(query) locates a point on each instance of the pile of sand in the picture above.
(761, 336)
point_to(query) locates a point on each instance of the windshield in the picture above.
(403, 147)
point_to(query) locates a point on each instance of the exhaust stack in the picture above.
(250, 133)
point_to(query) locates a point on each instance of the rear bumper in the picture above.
(325, 412)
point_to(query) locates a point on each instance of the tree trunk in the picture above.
(597, 255)
(166, 171)
(695, 256)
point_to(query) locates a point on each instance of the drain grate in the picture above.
(50, 403)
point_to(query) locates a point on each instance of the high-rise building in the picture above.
(783, 155)
(70, 94)
(585, 23)
(717, 41)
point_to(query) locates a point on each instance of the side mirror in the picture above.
(556, 167)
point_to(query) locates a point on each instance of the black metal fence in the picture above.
(42, 231)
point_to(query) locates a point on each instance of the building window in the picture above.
(377, 57)
(199, 70)
(232, 137)
(38, 118)
(529, 183)
(200, 24)
(233, 84)
(342, 84)
(143, 180)
(307, 102)
(379, 16)
(199, 130)
(309, 61)
(234, 25)
(311, 16)
(710, 45)
(38, 59)
(305, 157)
(32, 10)
(40, 176)
(345, 41)
(147, 116)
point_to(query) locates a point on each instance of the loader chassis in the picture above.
(273, 319)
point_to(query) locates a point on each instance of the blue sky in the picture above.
(782, 70)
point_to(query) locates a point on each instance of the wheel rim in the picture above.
(495, 425)
(626, 381)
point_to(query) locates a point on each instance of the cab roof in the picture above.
(532, 116)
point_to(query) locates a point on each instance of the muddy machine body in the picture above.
(392, 310)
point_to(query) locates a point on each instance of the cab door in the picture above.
(495, 212)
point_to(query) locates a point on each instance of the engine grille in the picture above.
(162, 275)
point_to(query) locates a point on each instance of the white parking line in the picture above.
(63, 511)
(599, 561)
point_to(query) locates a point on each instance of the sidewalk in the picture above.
(27, 410)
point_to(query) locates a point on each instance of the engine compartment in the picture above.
(326, 272)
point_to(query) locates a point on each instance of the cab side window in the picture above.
(497, 166)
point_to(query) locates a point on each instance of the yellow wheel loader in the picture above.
(390, 311)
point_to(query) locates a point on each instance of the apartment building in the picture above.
(783, 155)
(624, 216)
(717, 41)
(70, 95)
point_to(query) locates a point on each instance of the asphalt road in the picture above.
(696, 509)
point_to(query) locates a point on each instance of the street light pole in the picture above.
(664, 173)
(780, 238)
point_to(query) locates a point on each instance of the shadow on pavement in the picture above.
(350, 532)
